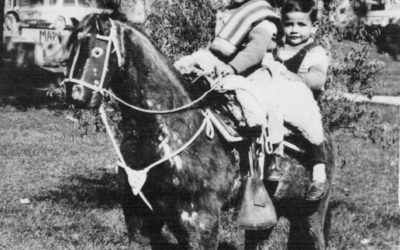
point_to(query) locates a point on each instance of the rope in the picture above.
(161, 112)
(147, 111)
(103, 116)
(205, 124)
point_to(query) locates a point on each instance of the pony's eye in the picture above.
(97, 52)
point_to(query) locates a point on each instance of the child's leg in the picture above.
(319, 173)
(301, 110)
(247, 96)
(319, 184)
(318, 162)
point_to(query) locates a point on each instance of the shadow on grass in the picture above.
(330, 214)
(80, 192)
(29, 86)
(226, 246)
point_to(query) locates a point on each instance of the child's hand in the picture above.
(290, 76)
(223, 69)
(274, 66)
(185, 64)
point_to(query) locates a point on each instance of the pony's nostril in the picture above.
(77, 92)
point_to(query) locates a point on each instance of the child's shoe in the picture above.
(317, 190)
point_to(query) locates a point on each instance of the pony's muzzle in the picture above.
(77, 93)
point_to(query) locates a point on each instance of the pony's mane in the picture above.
(154, 54)
(88, 24)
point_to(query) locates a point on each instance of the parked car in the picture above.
(372, 13)
(382, 17)
(45, 23)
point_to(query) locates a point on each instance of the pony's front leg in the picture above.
(257, 239)
(144, 227)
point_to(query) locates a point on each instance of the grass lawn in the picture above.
(388, 79)
(365, 210)
(73, 199)
(73, 202)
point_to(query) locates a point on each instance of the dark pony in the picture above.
(188, 191)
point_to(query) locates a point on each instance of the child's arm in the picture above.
(318, 62)
(259, 38)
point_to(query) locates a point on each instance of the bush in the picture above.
(181, 27)
(352, 70)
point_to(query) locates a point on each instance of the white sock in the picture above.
(319, 174)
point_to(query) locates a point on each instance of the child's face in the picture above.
(298, 27)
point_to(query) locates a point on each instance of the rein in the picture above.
(163, 112)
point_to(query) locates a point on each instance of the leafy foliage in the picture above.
(352, 70)
(181, 27)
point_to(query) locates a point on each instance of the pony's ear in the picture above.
(107, 27)
(103, 26)
(75, 23)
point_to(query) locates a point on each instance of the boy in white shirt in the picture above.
(308, 61)
(300, 54)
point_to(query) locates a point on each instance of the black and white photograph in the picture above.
(199, 124)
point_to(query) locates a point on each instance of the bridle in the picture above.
(112, 42)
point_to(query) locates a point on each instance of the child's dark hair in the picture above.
(305, 6)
